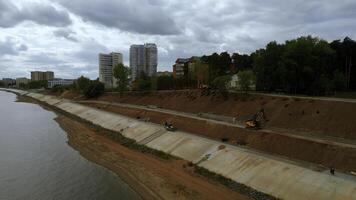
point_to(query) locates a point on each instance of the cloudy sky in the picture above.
(66, 35)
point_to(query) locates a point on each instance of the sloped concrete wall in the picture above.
(265, 173)
(19, 92)
(185, 146)
(279, 178)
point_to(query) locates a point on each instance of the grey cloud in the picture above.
(183, 28)
(10, 47)
(139, 16)
(11, 15)
(230, 21)
(47, 59)
(67, 34)
(72, 71)
(23, 47)
(89, 51)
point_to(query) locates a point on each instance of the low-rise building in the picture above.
(22, 81)
(192, 61)
(184, 66)
(59, 82)
(180, 68)
(9, 82)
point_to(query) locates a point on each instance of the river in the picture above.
(37, 163)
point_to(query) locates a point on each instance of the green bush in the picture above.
(221, 82)
(246, 80)
(81, 83)
(37, 84)
(122, 73)
(141, 85)
(57, 88)
(94, 89)
(165, 82)
(61, 88)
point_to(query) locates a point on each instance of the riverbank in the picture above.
(150, 176)
(255, 174)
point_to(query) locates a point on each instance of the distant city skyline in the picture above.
(66, 36)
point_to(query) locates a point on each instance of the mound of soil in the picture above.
(328, 118)
(341, 157)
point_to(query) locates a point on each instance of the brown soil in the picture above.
(68, 94)
(292, 115)
(335, 119)
(343, 158)
(149, 176)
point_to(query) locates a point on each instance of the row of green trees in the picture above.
(90, 88)
(305, 65)
(212, 71)
(199, 77)
(34, 85)
(122, 74)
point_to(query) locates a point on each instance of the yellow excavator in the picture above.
(256, 121)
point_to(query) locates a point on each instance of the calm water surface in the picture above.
(37, 163)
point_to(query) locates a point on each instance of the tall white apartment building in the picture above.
(143, 59)
(107, 62)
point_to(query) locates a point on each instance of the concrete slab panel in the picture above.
(140, 130)
(280, 179)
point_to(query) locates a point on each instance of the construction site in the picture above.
(318, 131)
(287, 147)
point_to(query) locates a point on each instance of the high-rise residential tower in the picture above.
(107, 62)
(143, 59)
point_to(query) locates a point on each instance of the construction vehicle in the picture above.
(255, 122)
(169, 127)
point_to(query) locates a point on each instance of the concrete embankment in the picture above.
(317, 151)
(264, 173)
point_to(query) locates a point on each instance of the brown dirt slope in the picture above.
(343, 158)
(336, 119)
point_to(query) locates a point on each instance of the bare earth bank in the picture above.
(150, 176)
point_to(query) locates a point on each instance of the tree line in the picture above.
(306, 65)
